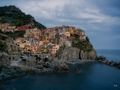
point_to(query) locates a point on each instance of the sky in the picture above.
(99, 18)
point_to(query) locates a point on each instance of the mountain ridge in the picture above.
(14, 16)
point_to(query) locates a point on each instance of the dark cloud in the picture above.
(110, 7)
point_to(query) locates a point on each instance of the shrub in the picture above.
(3, 46)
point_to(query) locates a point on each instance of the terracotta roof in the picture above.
(25, 27)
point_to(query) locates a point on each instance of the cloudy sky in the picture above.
(99, 18)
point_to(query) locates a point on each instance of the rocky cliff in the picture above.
(64, 42)
(79, 49)
(73, 53)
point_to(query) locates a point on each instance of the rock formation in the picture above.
(28, 46)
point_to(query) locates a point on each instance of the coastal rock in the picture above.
(100, 58)
(4, 59)
(10, 72)
(72, 53)
(61, 68)
(69, 54)
(87, 55)
(103, 60)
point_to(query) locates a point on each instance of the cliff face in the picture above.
(4, 60)
(87, 55)
(70, 53)
(73, 53)
(80, 48)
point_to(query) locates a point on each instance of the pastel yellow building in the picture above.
(67, 34)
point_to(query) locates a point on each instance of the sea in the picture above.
(93, 76)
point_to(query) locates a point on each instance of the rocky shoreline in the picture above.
(7, 73)
(12, 66)
(103, 60)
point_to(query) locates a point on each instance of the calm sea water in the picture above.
(93, 76)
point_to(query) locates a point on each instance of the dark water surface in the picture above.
(93, 76)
